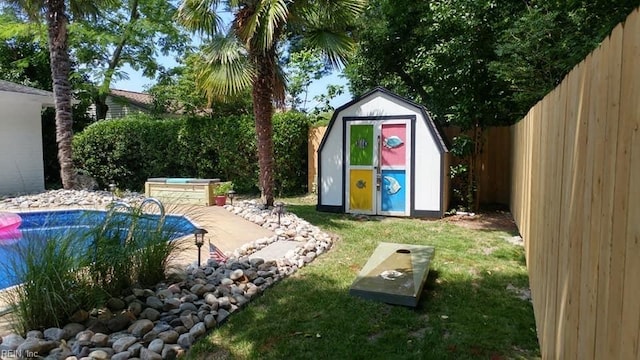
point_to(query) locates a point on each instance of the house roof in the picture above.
(143, 100)
(18, 88)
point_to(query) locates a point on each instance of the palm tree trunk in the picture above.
(60, 65)
(262, 94)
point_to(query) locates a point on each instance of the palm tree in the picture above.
(246, 55)
(55, 14)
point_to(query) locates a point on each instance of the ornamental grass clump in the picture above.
(132, 248)
(60, 273)
(53, 284)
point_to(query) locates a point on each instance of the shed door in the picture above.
(378, 158)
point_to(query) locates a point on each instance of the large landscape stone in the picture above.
(72, 329)
(33, 346)
(141, 327)
(123, 344)
(146, 354)
(55, 334)
(119, 322)
(186, 340)
(154, 302)
(169, 337)
(125, 355)
(198, 330)
(156, 346)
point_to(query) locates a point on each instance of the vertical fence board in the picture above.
(553, 211)
(629, 120)
(613, 67)
(591, 197)
(543, 174)
(562, 245)
(597, 134)
(619, 224)
(579, 213)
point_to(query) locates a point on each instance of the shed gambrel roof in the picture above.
(437, 134)
(23, 89)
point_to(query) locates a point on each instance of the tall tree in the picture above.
(304, 67)
(246, 54)
(176, 92)
(57, 21)
(131, 32)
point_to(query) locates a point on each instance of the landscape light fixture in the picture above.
(199, 235)
(112, 188)
(279, 209)
(231, 194)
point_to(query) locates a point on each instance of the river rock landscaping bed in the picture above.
(163, 322)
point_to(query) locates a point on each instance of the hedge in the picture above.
(132, 149)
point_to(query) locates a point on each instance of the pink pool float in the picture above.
(9, 223)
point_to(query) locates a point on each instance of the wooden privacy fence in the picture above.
(315, 137)
(575, 195)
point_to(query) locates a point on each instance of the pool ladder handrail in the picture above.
(160, 208)
(130, 209)
(112, 209)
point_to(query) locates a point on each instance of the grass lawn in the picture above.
(466, 310)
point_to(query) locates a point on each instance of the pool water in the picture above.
(50, 225)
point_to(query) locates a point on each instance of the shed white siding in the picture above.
(331, 165)
(21, 160)
(427, 171)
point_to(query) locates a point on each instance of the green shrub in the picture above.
(130, 150)
(290, 143)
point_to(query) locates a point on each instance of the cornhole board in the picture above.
(394, 274)
(182, 190)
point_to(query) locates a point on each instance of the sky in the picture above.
(139, 83)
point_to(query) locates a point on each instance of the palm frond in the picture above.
(259, 27)
(200, 16)
(330, 13)
(225, 69)
(326, 25)
(90, 9)
(336, 47)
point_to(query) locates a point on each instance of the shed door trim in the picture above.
(411, 122)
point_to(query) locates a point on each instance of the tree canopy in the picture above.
(479, 62)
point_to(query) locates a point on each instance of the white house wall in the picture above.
(21, 161)
(331, 167)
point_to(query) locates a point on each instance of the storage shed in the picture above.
(383, 155)
(21, 158)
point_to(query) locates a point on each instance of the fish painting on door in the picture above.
(393, 154)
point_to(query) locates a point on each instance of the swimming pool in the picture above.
(50, 225)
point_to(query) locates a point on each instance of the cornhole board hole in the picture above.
(394, 274)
